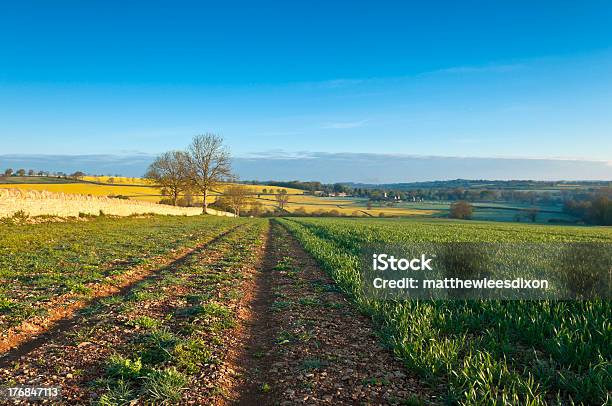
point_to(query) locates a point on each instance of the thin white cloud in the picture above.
(499, 68)
(502, 68)
(344, 124)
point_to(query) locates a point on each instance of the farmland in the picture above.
(133, 188)
(50, 264)
(139, 189)
(518, 352)
(213, 310)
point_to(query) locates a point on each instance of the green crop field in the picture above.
(185, 310)
(40, 262)
(482, 352)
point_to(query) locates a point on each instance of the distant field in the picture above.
(134, 188)
(34, 179)
(345, 206)
(141, 189)
(45, 203)
(492, 211)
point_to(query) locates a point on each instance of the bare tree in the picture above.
(238, 197)
(170, 172)
(209, 164)
(256, 208)
(282, 198)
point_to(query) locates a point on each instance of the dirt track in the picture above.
(303, 342)
(297, 339)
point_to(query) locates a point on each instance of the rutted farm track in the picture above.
(166, 333)
(306, 344)
(244, 316)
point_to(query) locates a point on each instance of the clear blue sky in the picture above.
(456, 78)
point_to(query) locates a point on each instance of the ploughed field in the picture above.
(478, 352)
(215, 310)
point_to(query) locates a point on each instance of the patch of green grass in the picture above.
(6, 305)
(118, 393)
(111, 300)
(146, 322)
(141, 295)
(165, 386)
(279, 305)
(284, 264)
(156, 346)
(309, 301)
(191, 355)
(119, 367)
(376, 382)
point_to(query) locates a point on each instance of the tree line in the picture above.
(595, 208)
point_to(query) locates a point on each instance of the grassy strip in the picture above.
(485, 352)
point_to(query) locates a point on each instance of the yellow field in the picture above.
(123, 186)
(38, 203)
(139, 189)
(116, 180)
(139, 192)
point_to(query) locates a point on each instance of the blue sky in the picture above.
(460, 79)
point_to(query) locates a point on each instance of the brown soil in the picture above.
(304, 343)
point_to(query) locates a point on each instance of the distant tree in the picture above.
(40, 173)
(111, 180)
(21, 172)
(31, 172)
(209, 164)
(600, 211)
(339, 188)
(255, 208)
(8, 172)
(369, 205)
(238, 197)
(532, 214)
(461, 210)
(187, 199)
(282, 198)
(78, 174)
(170, 172)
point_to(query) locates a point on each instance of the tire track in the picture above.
(23, 343)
